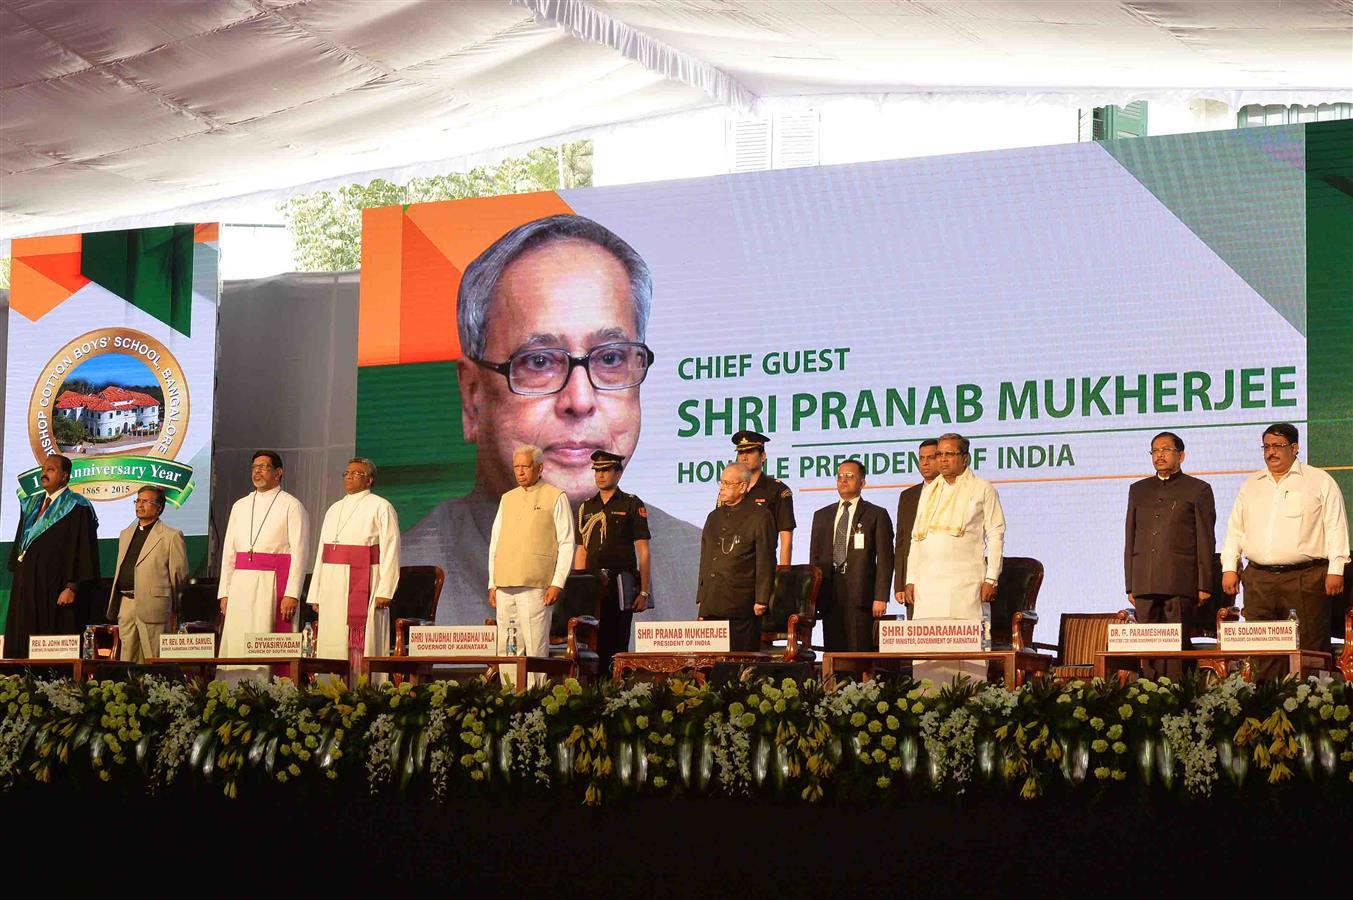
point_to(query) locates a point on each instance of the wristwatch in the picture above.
(644, 594)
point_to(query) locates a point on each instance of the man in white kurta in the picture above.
(530, 553)
(356, 571)
(956, 550)
(262, 562)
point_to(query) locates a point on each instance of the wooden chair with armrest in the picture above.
(792, 613)
(576, 623)
(107, 642)
(1201, 623)
(1012, 609)
(1079, 637)
(199, 609)
(415, 603)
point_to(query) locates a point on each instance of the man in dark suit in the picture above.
(852, 543)
(1171, 536)
(928, 464)
(737, 561)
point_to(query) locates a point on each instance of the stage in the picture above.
(501, 845)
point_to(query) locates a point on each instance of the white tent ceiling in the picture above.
(120, 108)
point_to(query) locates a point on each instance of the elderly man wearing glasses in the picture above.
(552, 320)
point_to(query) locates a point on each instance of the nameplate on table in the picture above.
(1243, 637)
(1144, 637)
(931, 636)
(681, 637)
(54, 646)
(272, 643)
(453, 640)
(187, 646)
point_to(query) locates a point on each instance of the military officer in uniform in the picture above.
(766, 491)
(613, 535)
(737, 561)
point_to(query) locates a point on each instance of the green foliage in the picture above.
(68, 431)
(880, 741)
(80, 386)
(327, 226)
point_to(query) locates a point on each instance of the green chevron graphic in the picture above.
(1243, 193)
(150, 268)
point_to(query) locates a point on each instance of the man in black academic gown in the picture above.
(737, 561)
(55, 561)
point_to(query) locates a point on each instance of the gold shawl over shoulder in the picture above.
(946, 509)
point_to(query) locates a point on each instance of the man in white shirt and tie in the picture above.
(1289, 523)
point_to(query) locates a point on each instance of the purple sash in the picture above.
(280, 565)
(359, 558)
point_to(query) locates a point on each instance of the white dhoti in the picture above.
(948, 570)
(525, 605)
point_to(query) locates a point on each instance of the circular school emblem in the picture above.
(115, 401)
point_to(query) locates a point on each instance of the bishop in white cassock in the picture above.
(262, 562)
(356, 571)
(957, 546)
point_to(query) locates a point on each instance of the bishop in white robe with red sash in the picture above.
(356, 571)
(262, 563)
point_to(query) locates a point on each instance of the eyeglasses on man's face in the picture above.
(947, 454)
(1267, 448)
(539, 371)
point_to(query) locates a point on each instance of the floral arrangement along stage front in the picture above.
(878, 741)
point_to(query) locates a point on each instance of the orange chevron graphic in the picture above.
(412, 260)
(45, 272)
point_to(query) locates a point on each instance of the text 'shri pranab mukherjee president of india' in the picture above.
(552, 319)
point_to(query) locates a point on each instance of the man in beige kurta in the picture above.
(530, 553)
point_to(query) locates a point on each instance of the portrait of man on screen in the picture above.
(552, 319)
